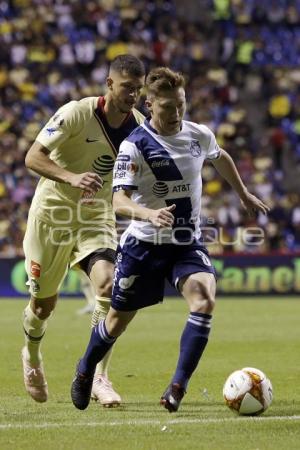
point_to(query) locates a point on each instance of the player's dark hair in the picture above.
(129, 64)
(163, 79)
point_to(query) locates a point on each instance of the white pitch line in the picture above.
(119, 423)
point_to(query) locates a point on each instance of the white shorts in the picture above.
(51, 251)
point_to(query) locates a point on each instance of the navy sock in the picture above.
(192, 344)
(100, 343)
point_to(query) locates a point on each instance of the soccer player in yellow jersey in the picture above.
(71, 222)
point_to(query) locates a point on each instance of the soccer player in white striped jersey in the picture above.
(157, 183)
(71, 221)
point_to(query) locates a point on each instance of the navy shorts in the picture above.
(142, 267)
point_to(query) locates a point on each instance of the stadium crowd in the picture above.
(241, 61)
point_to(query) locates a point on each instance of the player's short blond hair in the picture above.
(163, 79)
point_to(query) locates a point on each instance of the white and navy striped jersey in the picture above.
(162, 170)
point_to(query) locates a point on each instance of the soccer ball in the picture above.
(248, 391)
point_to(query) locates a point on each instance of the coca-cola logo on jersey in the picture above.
(161, 163)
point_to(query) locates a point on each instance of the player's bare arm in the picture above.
(227, 169)
(38, 160)
(124, 206)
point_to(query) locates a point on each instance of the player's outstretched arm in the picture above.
(124, 206)
(227, 169)
(38, 160)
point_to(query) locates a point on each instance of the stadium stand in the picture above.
(241, 60)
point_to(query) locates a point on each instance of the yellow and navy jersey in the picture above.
(80, 139)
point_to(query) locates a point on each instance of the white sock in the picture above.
(87, 288)
(100, 312)
(34, 329)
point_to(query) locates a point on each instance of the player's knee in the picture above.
(203, 305)
(116, 322)
(104, 288)
(209, 305)
(43, 308)
(115, 327)
(202, 299)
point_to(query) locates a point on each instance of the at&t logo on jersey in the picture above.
(160, 189)
(181, 188)
(103, 164)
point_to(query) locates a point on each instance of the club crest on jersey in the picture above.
(58, 122)
(195, 149)
(34, 286)
(126, 283)
(51, 130)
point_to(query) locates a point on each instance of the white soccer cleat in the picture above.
(104, 393)
(34, 380)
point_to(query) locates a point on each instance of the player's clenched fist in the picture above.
(88, 181)
(162, 217)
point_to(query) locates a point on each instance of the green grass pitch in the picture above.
(262, 333)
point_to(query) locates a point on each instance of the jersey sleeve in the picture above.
(127, 168)
(212, 148)
(66, 122)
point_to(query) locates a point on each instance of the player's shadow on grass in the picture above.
(136, 407)
(189, 408)
(283, 408)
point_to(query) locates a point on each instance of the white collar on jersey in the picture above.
(153, 130)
